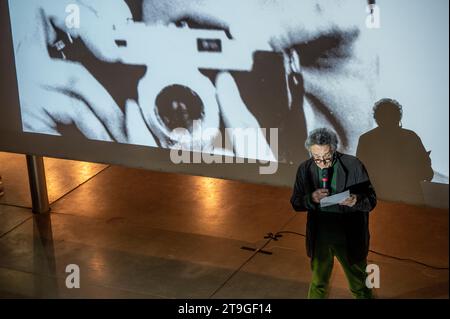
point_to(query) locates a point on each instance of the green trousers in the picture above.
(322, 266)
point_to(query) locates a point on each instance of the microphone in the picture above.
(325, 177)
(371, 4)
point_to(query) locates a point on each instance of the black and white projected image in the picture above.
(177, 73)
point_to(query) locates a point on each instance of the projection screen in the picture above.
(229, 88)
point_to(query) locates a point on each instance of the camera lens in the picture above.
(178, 106)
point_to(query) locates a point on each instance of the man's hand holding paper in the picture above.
(344, 198)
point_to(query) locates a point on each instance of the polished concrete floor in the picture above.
(142, 234)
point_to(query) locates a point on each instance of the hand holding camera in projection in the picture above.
(174, 92)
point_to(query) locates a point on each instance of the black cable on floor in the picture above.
(279, 234)
(255, 252)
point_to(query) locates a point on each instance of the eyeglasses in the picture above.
(325, 161)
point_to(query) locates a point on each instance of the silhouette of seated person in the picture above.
(394, 157)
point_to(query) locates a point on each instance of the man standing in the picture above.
(340, 231)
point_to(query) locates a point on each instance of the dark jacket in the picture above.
(351, 175)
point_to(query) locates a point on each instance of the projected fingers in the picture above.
(73, 79)
(137, 131)
(44, 118)
(101, 118)
(236, 116)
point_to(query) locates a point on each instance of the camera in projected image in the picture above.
(178, 87)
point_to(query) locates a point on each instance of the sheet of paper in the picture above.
(334, 199)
